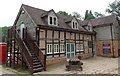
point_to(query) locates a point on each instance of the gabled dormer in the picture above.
(89, 26)
(52, 18)
(74, 23)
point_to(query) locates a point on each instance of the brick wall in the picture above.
(54, 61)
(114, 47)
(60, 60)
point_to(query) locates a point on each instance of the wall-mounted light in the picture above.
(23, 12)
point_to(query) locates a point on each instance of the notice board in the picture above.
(106, 47)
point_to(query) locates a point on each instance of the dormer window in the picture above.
(52, 20)
(74, 25)
(89, 28)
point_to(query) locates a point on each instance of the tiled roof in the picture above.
(100, 21)
(38, 14)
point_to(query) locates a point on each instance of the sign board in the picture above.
(106, 47)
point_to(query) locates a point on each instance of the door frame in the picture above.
(22, 26)
(70, 50)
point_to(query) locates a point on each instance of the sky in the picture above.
(10, 8)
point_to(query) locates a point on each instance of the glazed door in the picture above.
(70, 50)
(21, 30)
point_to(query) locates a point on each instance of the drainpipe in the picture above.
(112, 38)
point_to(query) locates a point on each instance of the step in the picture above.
(38, 69)
(37, 66)
(36, 60)
(35, 63)
(34, 56)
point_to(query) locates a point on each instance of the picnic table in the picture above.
(74, 62)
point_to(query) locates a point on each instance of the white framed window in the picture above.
(74, 25)
(49, 48)
(56, 48)
(89, 27)
(79, 47)
(52, 20)
(62, 48)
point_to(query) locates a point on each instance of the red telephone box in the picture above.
(3, 52)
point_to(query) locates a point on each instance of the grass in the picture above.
(21, 70)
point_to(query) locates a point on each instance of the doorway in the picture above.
(22, 26)
(70, 50)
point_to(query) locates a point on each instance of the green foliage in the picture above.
(64, 13)
(114, 8)
(89, 15)
(77, 15)
(98, 14)
(3, 33)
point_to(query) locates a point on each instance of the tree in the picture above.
(89, 15)
(98, 14)
(77, 15)
(64, 13)
(3, 32)
(114, 8)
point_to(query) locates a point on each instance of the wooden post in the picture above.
(17, 54)
(83, 44)
(14, 55)
(45, 50)
(53, 43)
(10, 52)
(65, 42)
(39, 38)
(75, 42)
(59, 41)
(22, 58)
(92, 45)
(79, 41)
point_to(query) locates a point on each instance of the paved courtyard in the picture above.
(95, 65)
(4, 70)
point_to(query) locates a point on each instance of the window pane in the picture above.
(73, 25)
(76, 25)
(77, 47)
(72, 55)
(72, 47)
(81, 47)
(68, 55)
(51, 20)
(68, 47)
(55, 20)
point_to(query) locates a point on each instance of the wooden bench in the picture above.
(74, 62)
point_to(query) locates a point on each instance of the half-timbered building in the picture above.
(41, 38)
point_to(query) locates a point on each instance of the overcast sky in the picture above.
(9, 8)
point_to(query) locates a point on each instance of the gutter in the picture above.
(112, 38)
